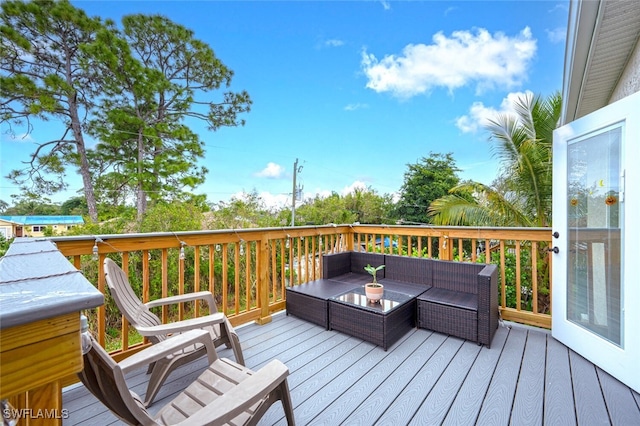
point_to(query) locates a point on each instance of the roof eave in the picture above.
(583, 19)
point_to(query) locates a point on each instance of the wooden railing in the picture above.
(247, 270)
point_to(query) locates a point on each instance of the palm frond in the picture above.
(522, 142)
(487, 208)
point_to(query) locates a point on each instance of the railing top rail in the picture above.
(292, 231)
(460, 228)
(240, 231)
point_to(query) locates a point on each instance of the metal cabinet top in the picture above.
(38, 282)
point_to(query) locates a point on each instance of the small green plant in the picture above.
(373, 271)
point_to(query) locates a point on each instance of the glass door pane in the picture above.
(594, 217)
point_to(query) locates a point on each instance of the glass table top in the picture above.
(356, 297)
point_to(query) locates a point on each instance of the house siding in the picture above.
(6, 229)
(630, 80)
(34, 226)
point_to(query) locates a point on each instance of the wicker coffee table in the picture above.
(382, 323)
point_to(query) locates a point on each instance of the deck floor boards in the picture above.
(498, 403)
(558, 393)
(527, 405)
(527, 377)
(468, 402)
(590, 406)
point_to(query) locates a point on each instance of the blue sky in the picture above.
(355, 90)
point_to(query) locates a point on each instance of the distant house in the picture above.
(35, 226)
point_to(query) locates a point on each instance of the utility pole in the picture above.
(296, 170)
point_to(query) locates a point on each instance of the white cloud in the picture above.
(269, 200)
(488, 60)
(22, 138)
(559, 7)
(476, 119)
(449, 10)
(324, 193)
(275, 201)
(272, 171)
(334, 43)
(386, 5)
(353, 107)
(479, 114)
(557, 35)
(350, 189)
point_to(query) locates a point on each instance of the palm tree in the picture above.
(521, 195)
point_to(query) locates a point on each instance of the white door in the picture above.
(596, 208)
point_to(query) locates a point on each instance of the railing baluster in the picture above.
(282, 271)
(102, 311)
(313, 258)
(165, 283)
(503, 273)
(196, 279)
(212, 269)
(225, 278)
(534, 275)
(291, 282)
(125, 323)
(180, 286)
(247, 275)
(274, 272)
(236, 278)
(145, 275)
(308, 255)
(299, 245)
(518, 281)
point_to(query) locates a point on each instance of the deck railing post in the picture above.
(446, 252)
(263, 281)
(350, 235)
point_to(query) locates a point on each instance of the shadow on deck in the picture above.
(527, 377)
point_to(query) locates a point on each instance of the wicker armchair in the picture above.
(463, 301)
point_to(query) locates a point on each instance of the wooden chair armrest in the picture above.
(166, 347)
(241, 397)
(172, 300)
(182, 326)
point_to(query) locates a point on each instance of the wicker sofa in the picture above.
(460, 299)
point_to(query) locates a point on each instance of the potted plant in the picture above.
(373, 290)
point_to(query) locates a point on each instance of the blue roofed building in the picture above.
(35, 226)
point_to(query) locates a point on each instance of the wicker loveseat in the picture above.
(464, 302)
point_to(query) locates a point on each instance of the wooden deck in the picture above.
(527, 377)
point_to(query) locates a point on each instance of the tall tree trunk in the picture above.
(76, 128)
(141, 196)
(85, 171)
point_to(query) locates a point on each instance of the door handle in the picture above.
(556, 234)
(556, 250)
